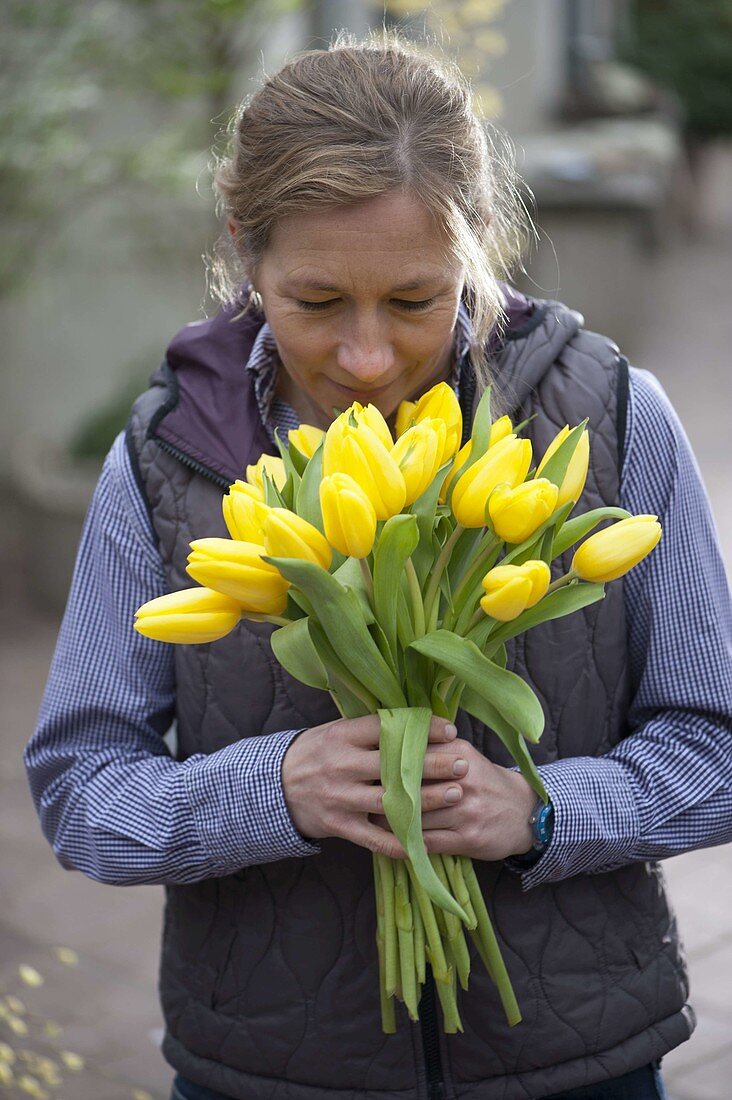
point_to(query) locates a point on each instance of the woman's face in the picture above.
(362, 302)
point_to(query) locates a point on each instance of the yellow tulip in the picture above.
(244, 512)
(191, 616)
(404, 416)
(306, 438)
(573, 481)
(499, 430)
(287, 535)
(349, 517)
(508, 461)
(236, 569)
(516, 513)
(274, 467)
(441, 403)
(511, 589)
(418, 454)
(610, 553)
(372, 418)
(460, 459)
(359, 452)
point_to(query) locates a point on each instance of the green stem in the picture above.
(562, 582)
(391, 962)
(472, 579)
(419, 955)
(454, 930)
(405, 931)
(432, 932)
(447, 993)
(415, 596)
(258, 617)
(433, 588)
(388, 1017)
(454, 870)
(367, 580)
(485, 940)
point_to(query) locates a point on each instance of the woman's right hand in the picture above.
(331, 780)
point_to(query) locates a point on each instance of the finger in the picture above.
(442, 818)
(441, 841)
(383, 842)
(360, 798)
(365, 731)
(441, 765)
(441, 730)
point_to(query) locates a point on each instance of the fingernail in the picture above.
(452, 795)
(450, 731)
(460, 767)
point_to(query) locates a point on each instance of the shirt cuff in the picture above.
(596, 820)
(239, 807)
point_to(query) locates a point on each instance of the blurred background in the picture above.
(621, 114)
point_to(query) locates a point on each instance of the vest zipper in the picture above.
(191, 463)
(430, 1039)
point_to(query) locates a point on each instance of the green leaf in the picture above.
(272, 495)
(339, 612)
(349, 574)
(396, 543)
(425, 509)
(341, 680)
(293, 647)
(290, 468)
(558, 464)
(307, 498)
(514, 743)
(402, 746)
(299, 460)
(575, 529)
(508, 693)
(481, 430)
(462, 554)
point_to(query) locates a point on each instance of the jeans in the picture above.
(641, 1084)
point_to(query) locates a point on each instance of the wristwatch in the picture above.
(542, 825)
(542, 828)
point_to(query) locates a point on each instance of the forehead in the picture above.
(393, 235)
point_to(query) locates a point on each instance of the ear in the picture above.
(231, 227)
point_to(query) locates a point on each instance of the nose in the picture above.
(365, 351)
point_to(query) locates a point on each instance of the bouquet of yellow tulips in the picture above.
(419, 560)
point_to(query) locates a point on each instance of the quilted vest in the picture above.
(269, 976)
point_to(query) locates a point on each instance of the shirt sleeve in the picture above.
(665, 788)
(112, 801)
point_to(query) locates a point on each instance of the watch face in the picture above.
(543, 825)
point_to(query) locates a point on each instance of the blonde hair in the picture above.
(357, 120)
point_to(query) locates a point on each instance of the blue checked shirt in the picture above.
(116, 805)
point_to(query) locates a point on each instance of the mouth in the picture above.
(356, 393)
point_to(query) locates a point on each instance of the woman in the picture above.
(371, 225)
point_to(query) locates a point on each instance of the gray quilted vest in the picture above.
(269, 977)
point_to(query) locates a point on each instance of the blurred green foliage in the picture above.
(686, 46)
(83, 83)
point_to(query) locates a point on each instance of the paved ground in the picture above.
(102, 1007)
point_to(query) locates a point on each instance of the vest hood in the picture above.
(211, 415)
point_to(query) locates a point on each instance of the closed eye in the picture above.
(401, 303)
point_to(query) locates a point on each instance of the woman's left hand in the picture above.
(489, 821)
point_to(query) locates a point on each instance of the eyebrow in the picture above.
(327, 288)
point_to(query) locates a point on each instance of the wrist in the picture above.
(541, 826)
